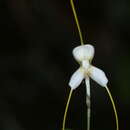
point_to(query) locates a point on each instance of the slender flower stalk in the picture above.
(77, 22)
(88, 102)
(114, 108)
(66, 109)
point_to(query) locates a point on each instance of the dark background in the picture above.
(36, 41)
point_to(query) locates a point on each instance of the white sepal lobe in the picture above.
(76, 78)
(98, 75)
(83, 52)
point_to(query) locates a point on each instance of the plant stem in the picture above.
(88, 118)
(114, 108)
(66, 109)
(77, 21)
(88, 102)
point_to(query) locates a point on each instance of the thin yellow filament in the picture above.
(66, 109)
(114, 108)
(77, 21)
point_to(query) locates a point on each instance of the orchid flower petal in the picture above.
(76, 78)
(83, 52)
(98, 75)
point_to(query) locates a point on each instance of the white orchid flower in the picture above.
(84, 54)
